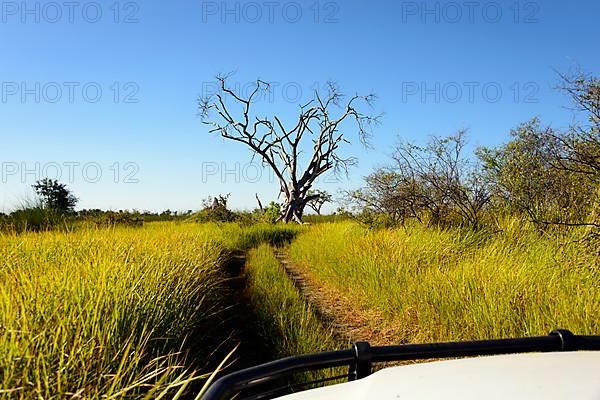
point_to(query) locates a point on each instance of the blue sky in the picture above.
(111, 88)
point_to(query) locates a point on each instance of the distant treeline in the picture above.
(41, 218)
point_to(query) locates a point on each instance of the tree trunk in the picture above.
(260, 206)
(293, 209)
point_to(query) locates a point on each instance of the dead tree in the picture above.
(288, 151)
(260, 206)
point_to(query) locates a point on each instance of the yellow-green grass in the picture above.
(285, 322)
(114, 313)
(431, 284)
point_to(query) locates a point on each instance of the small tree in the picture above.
(440, 179)
(436, 180)
(55, 196)
(316, 199)
(389, 193)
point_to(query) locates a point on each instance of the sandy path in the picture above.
(348, 321)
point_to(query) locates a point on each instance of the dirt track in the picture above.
(348, 322)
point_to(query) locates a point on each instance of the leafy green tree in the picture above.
(526, 177)
(553, 176)
(55, 196)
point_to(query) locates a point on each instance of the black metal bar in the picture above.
(361, 357)
(250, 377)
(567, 339)
(363, 361)
(465, 349)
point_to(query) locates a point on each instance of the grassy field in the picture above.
(115, 313)
(429, 284)
(141, 312)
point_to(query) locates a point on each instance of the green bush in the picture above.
(124, 218)
(215, 210)
(33, 219)
(272, 213)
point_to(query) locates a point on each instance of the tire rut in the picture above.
(240, 319)
(342, 315)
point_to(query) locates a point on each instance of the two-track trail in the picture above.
(347, 320)
(240, 318)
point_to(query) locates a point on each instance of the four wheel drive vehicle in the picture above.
(547, 367)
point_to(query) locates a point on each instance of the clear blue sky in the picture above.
(55, 58)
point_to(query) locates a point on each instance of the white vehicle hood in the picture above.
(533, 376)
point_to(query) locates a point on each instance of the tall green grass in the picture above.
(242, 237)
(106, 313)
(115, 313)
(139, 312)
(431, 284)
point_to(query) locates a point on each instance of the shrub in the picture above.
(215, 210)
(34, 219)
